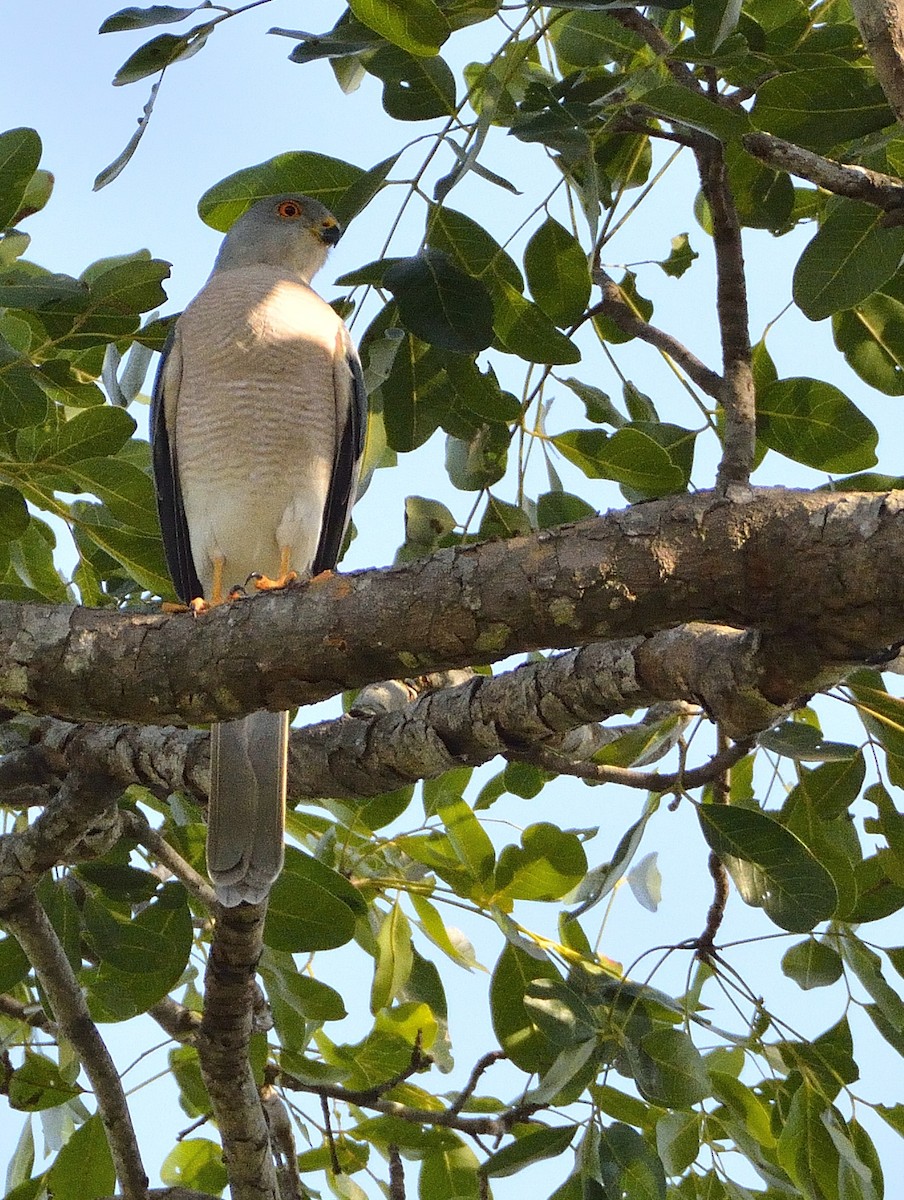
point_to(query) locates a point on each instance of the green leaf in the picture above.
(142, 957)
(311, 907)
(678, 1140)
(524, 329)
(415, 394)
(681, 257)
(628, 1166)
(547, 865)
(763, 197)
(776, 871)
(632, 455)
(130, 286)
(821, 107)
(439, 303)
(529, 1048)
(479, 462)
(871, 338)
(161, 51)
(812, 964)
(414, 89)
(814, 423)
(20, 153)
(144, 18)
(805, 1149)
(468, 838)
(803, 743)
(127, 491)
(714, 21)
(560, 508)
(197, 1164)
(745, 1107)
(686, 107)
(39, 1084)
(557, 272)
(140, 554)
(531, 1147)
(14, 964)
(427, 521)
(593, 39)
(14, 520)
(597, 404)
(449, 1172)
(471, 247)
(502, 520)
(669, 1069)
(417, 26)
(91, 433)
(330, 180)
(21, 290)
(394, 958)
(867, 966)
(83, 1169)
(23, 403)
(851, 256)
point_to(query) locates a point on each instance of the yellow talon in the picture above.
(264, 584)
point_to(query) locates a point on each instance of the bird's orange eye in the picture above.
(289, 209)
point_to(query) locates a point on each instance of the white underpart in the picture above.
(257, 421)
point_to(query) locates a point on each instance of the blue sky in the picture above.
(239, 102)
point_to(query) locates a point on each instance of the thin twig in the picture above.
(29, 1014)
(482, 1064)
(614, 307)
(707, 939)
(650, 781)
(335, 1166)
(494, 1126)
(153, 840)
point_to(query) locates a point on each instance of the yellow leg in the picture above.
(216, 587)
(264, 584)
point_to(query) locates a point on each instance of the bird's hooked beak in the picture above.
(330, 232)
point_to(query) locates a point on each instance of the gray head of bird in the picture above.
(289, 231)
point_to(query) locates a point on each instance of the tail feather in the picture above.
(246, 817)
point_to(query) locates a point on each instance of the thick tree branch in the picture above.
(222, 1044)
(821, 574)
(842, 179)
(881, 25)
(82, 821)
(28, 922)
(538, 703)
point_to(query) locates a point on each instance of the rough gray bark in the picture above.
(821, 575)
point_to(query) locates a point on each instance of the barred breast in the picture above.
(257, 425)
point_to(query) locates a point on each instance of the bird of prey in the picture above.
(257, 425)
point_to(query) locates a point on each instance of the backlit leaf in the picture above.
(772, 868)
(439, 303)
(851, 256)
(814, 423)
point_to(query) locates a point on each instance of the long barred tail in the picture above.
(246, 817)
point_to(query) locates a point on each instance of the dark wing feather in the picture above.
(344, 480)
(173, 525)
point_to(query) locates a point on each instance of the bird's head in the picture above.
(291, 231)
